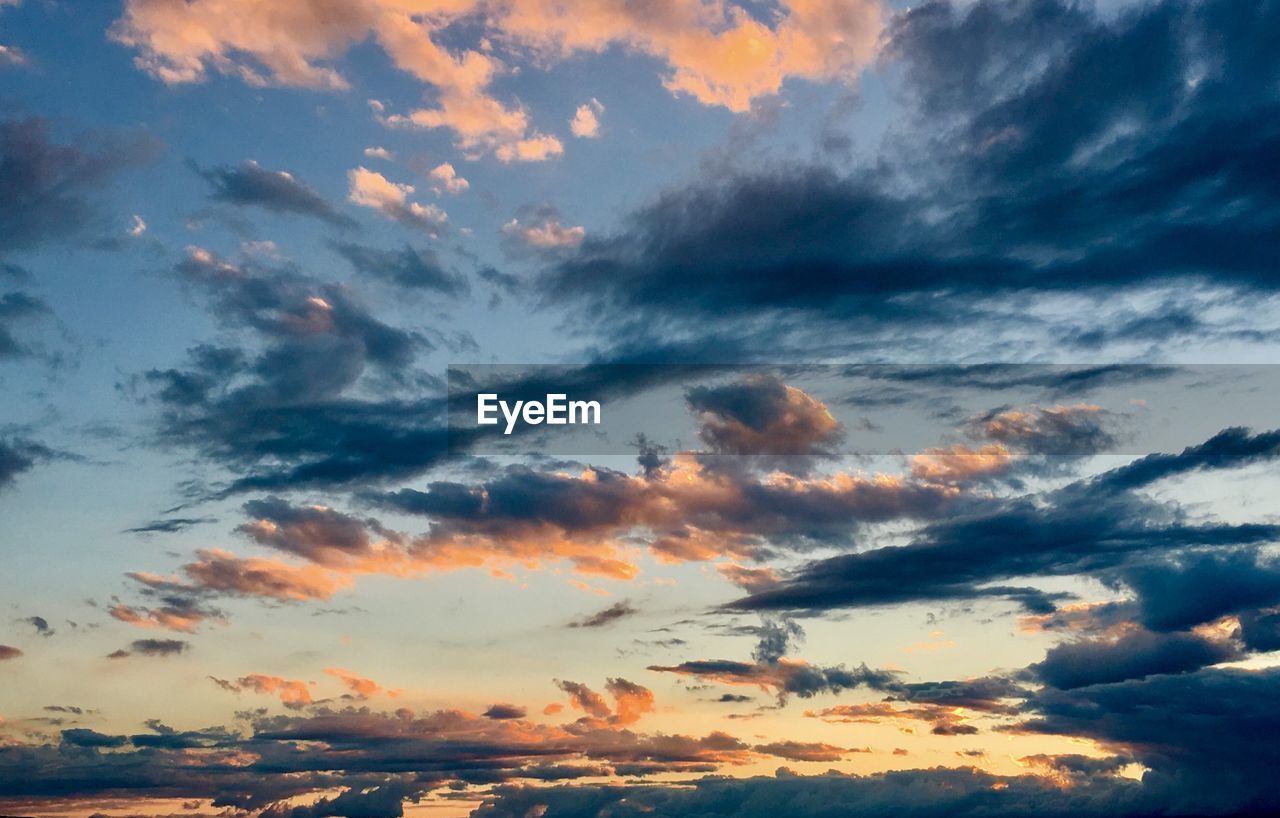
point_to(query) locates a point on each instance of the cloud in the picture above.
(18, 456)
(16, 308)
(586, 120)
(631, 702)
(9, 652)
(924, 793)
(410, 268)
(719, 54)
(1206, 735)
(611, 614)
(1133, 655)
(47, 189)
(359, 686)
(80, 737)
(502, 711)
(762, 415)
(685, 511)
(291, 404)
(40, 624)
(293, 693)
(539, 230)
(1079, 428)
(783, 676)
(275, 190)
(223, 572)
(152, 647)
(373, 190)
(1024, 154)
(803, 750)
(444, 179)
(12, 56)
(176, 613)
(169, 525)
(1095, 525)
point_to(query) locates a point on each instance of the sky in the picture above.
(935, 344)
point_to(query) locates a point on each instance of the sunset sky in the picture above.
(936, 345)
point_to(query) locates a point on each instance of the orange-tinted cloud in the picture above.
(359, 686)
(717, 52)
(219, 570)
(293, 693)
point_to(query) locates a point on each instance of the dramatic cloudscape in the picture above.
(935, 344)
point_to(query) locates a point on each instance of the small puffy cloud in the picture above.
(373, 190)
(482, 125)
(586, 120)
(360, 687)
(137, 225)
(503, 712)
(631, 701)
(445, 179)
(537, 148)
(378, 152)
(539, 229)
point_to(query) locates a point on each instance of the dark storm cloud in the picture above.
(1098, 163)
(81, 737)
(384, 801)
(410, 268)
(1183, 592)
(1093, 526)
(1209, 736)
(1231, 448)
(936, 793)
(18, 456)
(278, 191)
(46, 187)
(280, 757)
(1134, 655)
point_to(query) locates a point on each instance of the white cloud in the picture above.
(446, 180)
(373, 190)
(586, 121)
(379, 153)
(540, 229)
